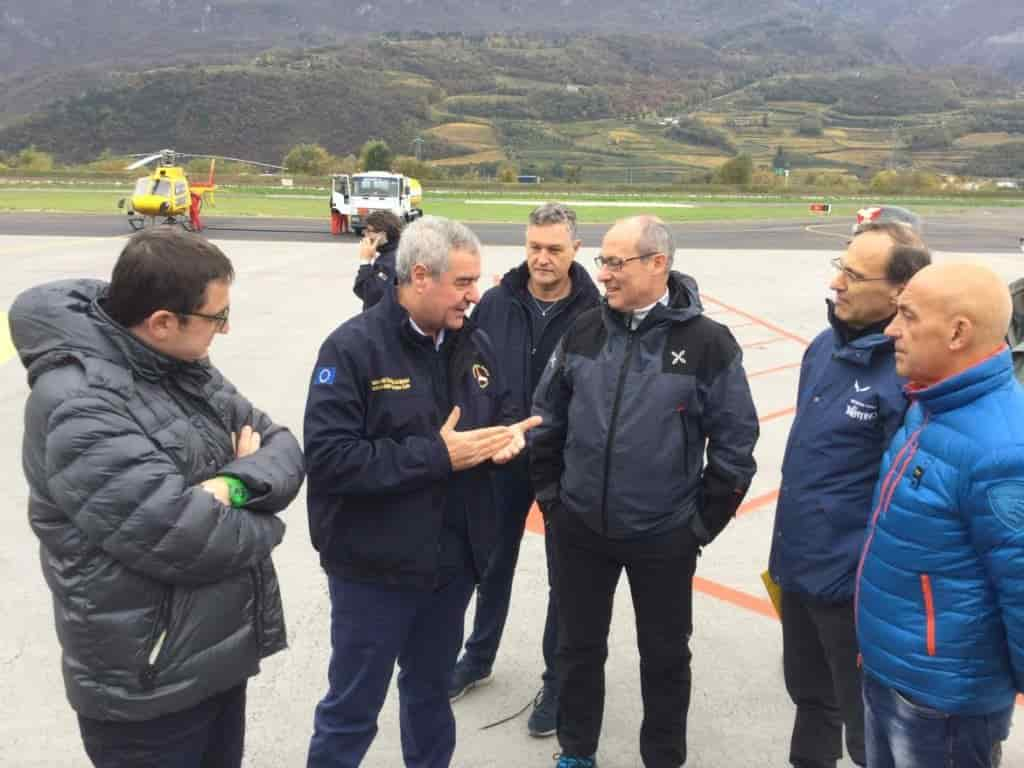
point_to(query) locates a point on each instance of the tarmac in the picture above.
(287, 297)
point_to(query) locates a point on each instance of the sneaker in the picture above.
(565, 761)
(465, 678)
(544, 718)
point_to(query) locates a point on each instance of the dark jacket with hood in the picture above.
(849, 405)
(380, 479)
(629, 414)
(373, 279)
(504, 314)
(163, 596)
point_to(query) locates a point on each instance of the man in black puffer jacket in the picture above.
(525, 316)
(635, 394)
(154, 489)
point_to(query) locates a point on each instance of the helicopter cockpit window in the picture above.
(179, 188)
(371, 187)
(162, 188)
(142, 186)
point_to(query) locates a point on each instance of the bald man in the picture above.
(940, 589)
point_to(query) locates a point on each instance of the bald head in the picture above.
(951, 317)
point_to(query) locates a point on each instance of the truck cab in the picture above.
(355, 198)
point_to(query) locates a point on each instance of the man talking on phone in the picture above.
(377, 252)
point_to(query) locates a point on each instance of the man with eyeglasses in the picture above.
(154, 491)
(850, 402)
(637, 393)
(525, 315)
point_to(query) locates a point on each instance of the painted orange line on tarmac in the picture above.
(761, 605)
(757, 502)
(777, 414)
(776, 369)
(764, 342)
(535, 520)
(771, 326)
(741, 325)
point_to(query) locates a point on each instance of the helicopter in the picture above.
(166, 194)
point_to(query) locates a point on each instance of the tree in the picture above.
(780, 162)
(507, 173)
(573, 174)
(811, 125)
(31, 159)
(376, 155)
(739, 170)
(308, 160)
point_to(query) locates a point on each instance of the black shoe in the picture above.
(466, 677)
(544, 718)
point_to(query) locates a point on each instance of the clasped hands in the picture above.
(475, 446)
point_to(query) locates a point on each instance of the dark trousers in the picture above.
(819, 642)
(660, 571)
(494, 592)
(209, 735)
(372, 627)
(901, 733)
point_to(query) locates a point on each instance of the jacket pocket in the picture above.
(929, 612)
(157, 643)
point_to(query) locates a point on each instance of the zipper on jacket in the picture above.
(929, 612)
(157, 642)
(257, 604)
(686, 438)
(611, 429)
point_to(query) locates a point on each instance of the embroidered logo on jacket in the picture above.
(388, 384)
(482, 376)
(861, 411)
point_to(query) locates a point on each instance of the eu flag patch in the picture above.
(325, 375)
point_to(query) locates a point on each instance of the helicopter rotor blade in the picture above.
(144, 161)
(234, 159)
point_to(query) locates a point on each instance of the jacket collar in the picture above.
(865, 343)
(967, 386)
(398, 318)
(684, 304)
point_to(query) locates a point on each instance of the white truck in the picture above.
(353, 198)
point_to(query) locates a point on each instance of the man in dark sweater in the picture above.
(525, 315)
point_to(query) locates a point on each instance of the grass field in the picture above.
(310, 203)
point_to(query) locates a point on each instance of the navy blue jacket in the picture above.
(379, 474)
(849, 405)
(503, 313)
(373, 280)
(629, 414)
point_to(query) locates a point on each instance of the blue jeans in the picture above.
(494, 593)
(209, 735)
(372, 627)
(900, 733)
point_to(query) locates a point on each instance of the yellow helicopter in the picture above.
(167, 195)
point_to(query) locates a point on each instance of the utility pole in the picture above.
(418, 147)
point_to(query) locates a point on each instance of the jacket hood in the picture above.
(516, 279)
(683, 304)
(63, 320)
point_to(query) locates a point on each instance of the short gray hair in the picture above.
(428, 241)
(655, 237)
(554, 213)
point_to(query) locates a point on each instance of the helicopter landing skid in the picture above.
(137, 222)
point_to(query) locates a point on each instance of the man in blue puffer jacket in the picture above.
(849, 405)
(940, 589)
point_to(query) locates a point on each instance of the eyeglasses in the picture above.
(219, 320)
(613, 264)
(851, 276)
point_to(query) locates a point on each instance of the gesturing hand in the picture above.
(474, 446)
(518, 431)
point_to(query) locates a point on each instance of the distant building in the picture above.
(571, 88)
(1007, 184)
